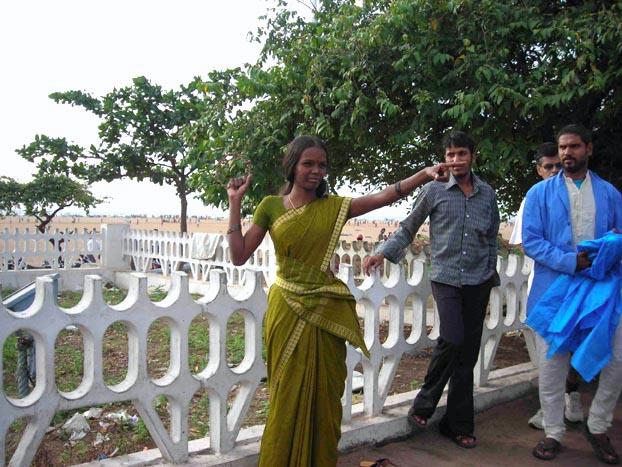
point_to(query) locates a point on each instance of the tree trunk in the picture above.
(43, 223)
(183, 220)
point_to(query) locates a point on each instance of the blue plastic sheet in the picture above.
(579, 313)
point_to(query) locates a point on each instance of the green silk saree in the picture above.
(311, 314)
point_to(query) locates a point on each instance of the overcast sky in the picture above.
(96, 45)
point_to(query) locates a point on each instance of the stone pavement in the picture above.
(505, 439)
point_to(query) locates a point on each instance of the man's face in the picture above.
(548, 166)
(573, 152)
(460, 154)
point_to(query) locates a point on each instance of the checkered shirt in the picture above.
(463, 232)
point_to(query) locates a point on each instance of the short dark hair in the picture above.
(292, 156)
(548, 149)
(458, 139)
(576, 129)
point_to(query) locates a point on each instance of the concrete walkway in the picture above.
(505, 439)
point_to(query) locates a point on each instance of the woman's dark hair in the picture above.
(292, 156)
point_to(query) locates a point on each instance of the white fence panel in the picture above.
(404, 297)
(53, 249)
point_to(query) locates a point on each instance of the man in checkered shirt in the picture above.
(464, 222)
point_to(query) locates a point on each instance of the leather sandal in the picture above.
(465, 441)
(602, 447)
(417, 421)
(462, 440)
(547, 449)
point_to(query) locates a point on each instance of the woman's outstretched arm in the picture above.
(241, 247)
(392, 193)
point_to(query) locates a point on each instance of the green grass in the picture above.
(415, 384)
(65, 457)
(6, 291)
(198, 343)
(198, 415)
(141, 434)
(69, 298)
(80, 448)
(264, 408)
(115, 353)
(235, 339)
(69, 360)
(112, 296)
(9, 355)
(17, 429)
(158, 348)
(157, 294)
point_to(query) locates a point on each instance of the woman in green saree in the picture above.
(311, 314)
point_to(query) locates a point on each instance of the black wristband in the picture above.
(398, 189)
(234, 228)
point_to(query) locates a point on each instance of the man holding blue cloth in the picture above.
(571, 207)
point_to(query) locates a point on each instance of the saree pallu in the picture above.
(311, 314)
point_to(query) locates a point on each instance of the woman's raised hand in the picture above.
(238, 186)
(440, 172)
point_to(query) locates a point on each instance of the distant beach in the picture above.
(369, 229)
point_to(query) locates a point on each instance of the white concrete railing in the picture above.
(102, 247)
(45, 320)
(169, 249)
(152, 248)
(146, 248)
(354, 254)
(54, 249)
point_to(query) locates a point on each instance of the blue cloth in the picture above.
(547, 228)
(580, 313)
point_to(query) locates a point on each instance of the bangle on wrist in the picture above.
(234, 228)
(398, 189)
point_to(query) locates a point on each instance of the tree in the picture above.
(44, 197)
(10, 195)
(142, 136)
(240, 139)
(382, 81)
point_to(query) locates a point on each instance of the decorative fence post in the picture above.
(112, 246)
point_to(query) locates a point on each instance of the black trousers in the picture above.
(462, 311)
